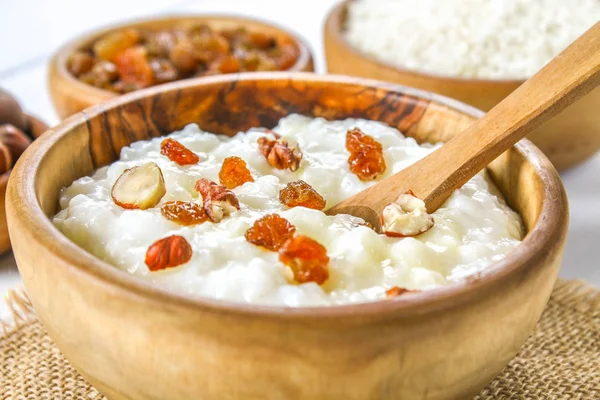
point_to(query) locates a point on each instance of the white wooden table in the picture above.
(30, 30)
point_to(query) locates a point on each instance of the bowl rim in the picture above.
(333, 25)
(60, 57)
(549, 228)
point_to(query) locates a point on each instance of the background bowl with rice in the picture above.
(432, 48)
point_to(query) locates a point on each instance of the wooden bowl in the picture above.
(70, 95)
(36, 127)
(133, 340)
(567, 139)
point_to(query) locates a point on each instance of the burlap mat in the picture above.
(561, 360)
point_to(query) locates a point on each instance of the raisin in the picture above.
(184, 212)
(115, 43)
(182, 56)
(270, 232)
(80, 63)
(227, 65)
(163, 70)
(234, 173)
(396, 291)
(307, 259)
(301, 194)
(366, 155)
(177, 152)
(133, 67)
(260, 40)
(168, 252)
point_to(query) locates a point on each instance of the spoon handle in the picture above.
(575, 72)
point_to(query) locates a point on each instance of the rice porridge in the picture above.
(493, 39)
(303, 163)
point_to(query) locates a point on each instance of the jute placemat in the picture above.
(560, 361)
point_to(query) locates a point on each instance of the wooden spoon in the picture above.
(569, 76)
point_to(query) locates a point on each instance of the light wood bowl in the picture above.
(567, 139)
(70, 95)
(133, 340)
(36, 127)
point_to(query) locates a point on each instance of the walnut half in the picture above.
(278, 153)
(218, 201)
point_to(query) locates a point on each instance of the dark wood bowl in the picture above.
(134, 340)
(37, 127)
(568, 139)
(70, 95)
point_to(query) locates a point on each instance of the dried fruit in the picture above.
(182, 56)
(307, 259)
(396, 291)
(278, 153)
(177, 152)
(139, 187)
(114, 43)
(168, 252)
(270, 232)
(80, 62)
(260, 40)
(218, 201)
(133, 67)
(184, 212)
(301, 194)
(366, 155)
(406, 216)
(234, 173)
(163, 70)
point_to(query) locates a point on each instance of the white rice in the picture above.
(488, 39)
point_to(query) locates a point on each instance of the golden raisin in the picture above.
(234, 173)
(168, 252)
(278, 153)
(307, 259)
(133, 67)
(396, 291)
(108, 47)
(301, 194)
(177, 152)
(184, 212)
(270, 232)
(366, 155)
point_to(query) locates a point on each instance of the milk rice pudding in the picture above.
(241, 218)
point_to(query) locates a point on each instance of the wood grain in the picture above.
(564, 80)
(133, 340)
(567, 139)
(69, 95)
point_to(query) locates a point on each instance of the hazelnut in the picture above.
(14, 139)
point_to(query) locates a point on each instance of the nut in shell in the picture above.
(14, 139)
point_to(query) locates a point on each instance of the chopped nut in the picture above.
(177, 152)
(218, 201)
(407, 216)
(301, 194)
(307, 258)
(278, 153)
(270, 232)
(168, 252)
(396, 291)
(234, 172)
(140, 187)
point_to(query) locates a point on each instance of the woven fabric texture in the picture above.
(561, 360)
